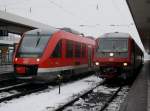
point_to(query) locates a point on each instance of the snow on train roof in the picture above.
(47, 31)
(70, 30)
(115, 35)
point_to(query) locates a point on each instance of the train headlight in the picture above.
(16, 59)
(37, 59)
(111, 54)
(97, 63)
(125, 64)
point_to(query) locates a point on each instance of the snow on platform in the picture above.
(49, 99)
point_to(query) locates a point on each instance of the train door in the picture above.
(89, 56)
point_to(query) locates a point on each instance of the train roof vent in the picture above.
(90, 37)
(70, 30)
(114, 34)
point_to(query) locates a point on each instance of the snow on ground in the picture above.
(93, 101)
(105, 90)
(50, 100)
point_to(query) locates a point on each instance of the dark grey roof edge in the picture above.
(115, 34)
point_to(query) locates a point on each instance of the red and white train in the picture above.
(117, 54)
(43, 54)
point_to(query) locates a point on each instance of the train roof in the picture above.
(90, 37)
(47, 31)
(43, 31)
(68, 35)
(116, 35)
(70, 30)
(74, 37)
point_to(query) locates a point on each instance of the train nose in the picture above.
(31, 70)
(26, 70)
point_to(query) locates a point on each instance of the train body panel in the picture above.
(62, 53)
(117, 53)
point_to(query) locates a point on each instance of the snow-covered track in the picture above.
(98, 99)
(60, 108)
(110, 99)
(12, 86)
(24, 89)
(50, 99)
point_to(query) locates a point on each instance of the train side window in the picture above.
(77, 50)
(57, 53)
(69, 49)
(83, 50)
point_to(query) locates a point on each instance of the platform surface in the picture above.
(138, 98)
(6, 69)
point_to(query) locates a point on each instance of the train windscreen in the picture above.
(113, 45)
(33, 45)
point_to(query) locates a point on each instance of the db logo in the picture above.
(111, 59)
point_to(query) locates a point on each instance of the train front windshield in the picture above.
(113, 45)
(33, 45)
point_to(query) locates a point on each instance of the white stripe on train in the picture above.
(61, 68)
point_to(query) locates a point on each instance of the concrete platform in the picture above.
(138, 98)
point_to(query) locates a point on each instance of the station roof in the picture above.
(140, 12)
(17, 24)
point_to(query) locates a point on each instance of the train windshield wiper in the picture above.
(38, 41)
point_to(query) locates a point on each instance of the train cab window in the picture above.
(69, 49)
(57, 53)
(33, 45)
(83, 50)
(77, 50)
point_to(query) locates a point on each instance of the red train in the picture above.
(117, 54)
(44, 54)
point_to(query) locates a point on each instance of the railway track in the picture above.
(62, 107)
(85, 95)
(6, 76)
(9, 87)
(110, 99)
(13, 89)
(19, 90)
(72, 99)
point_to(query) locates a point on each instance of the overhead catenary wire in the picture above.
(118, 9)
(15, 5)
(67, 11)
(73, 14)
(97, 5)
(110, 25)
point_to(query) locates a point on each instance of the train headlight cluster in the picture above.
(125, 64)
(111, 54)
(97, 63)
(16, 59)
(37, 59)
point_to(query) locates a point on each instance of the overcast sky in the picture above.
(91, 17)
